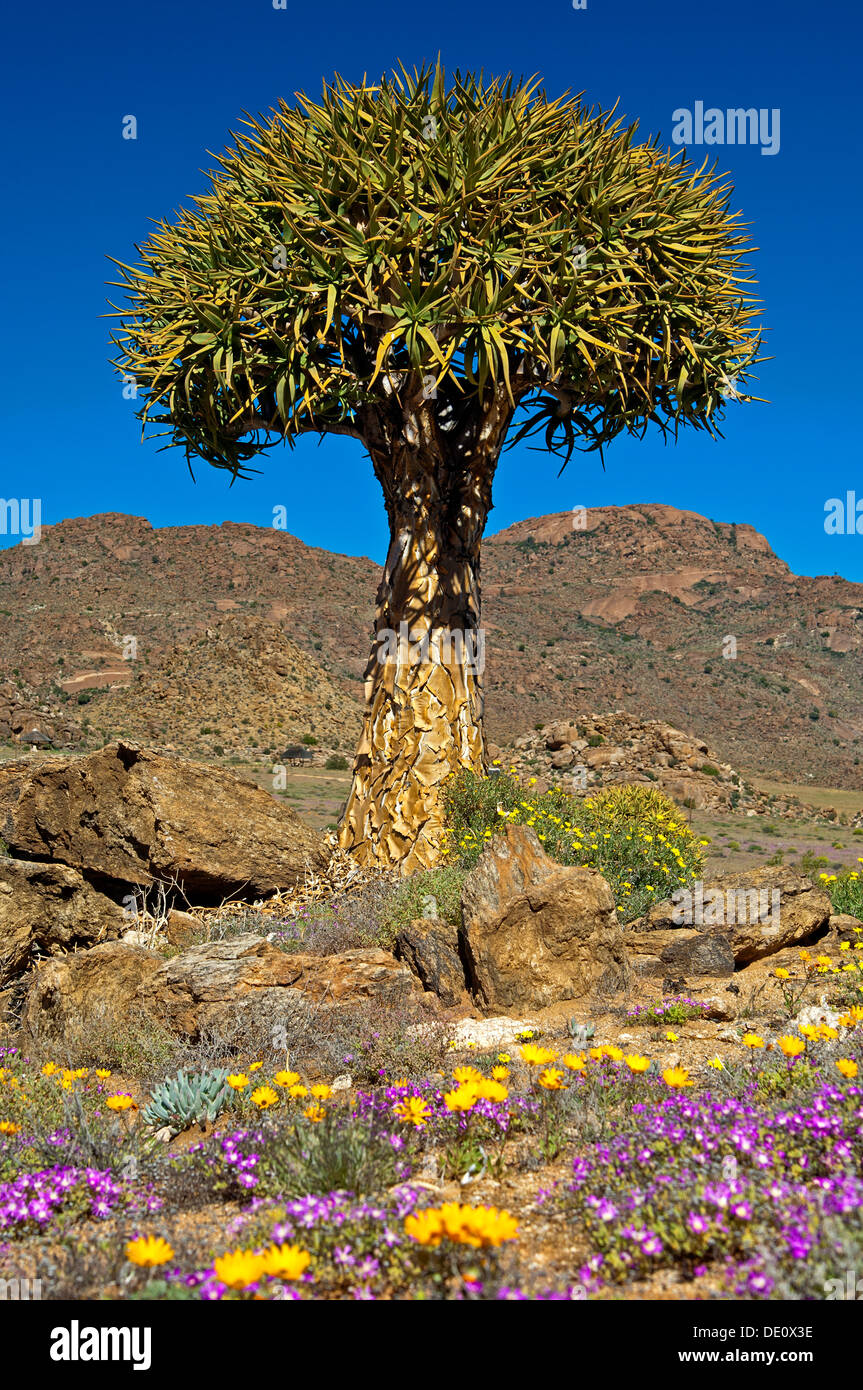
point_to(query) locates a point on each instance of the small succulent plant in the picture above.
(581, 1032)
(183, 1100)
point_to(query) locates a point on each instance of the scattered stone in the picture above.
(147, 939)
(813, 1014)
(342, 1083)
(721, 1010)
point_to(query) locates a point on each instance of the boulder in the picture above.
(534, 932)
(844, 927)
(202, 987)
(79, 995)
(563, 757)
(129, 816)
(46, 909)
(758, 911)
(560, 735)
(601, 757)
(684, 949)
(430, 950)
(696, 792)
(181, 928)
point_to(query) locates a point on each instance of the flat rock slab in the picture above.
(203, 987)
(490, 1033)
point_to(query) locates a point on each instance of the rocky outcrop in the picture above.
(536, 933)
(601, 749)
(682, 951)
(202, 987)
(46, 909)
(757, 912)
(429, 947)
(130, 816)
(86, 993)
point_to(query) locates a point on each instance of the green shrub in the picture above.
(411, 899)
(633, 835)
(811, 864)
(846, 892)
(336, 762)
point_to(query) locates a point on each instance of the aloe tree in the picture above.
(410, 264)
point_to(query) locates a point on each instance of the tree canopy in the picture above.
(475, 236)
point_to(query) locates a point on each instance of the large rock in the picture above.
(536, 933)
(429, 947)
(134, 817)
(82, 994)
(758, 911)
(696, 792)
(683, 950)
(46, 909)
(203, 987)
(844, 927)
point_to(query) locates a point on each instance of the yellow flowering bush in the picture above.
(633, 835)
(846, 891)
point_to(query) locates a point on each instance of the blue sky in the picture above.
(77, 191)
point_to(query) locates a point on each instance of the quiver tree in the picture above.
(410, 264)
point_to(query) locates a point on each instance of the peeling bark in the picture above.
(424, 704)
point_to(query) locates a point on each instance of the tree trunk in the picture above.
(424, 704)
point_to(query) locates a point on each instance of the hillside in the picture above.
(240, 687)
(631, 611)
(635, 611)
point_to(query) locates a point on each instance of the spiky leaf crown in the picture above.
(413, 240)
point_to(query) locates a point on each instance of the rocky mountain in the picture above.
(242, 685)
(664, 613)
(680, 619)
